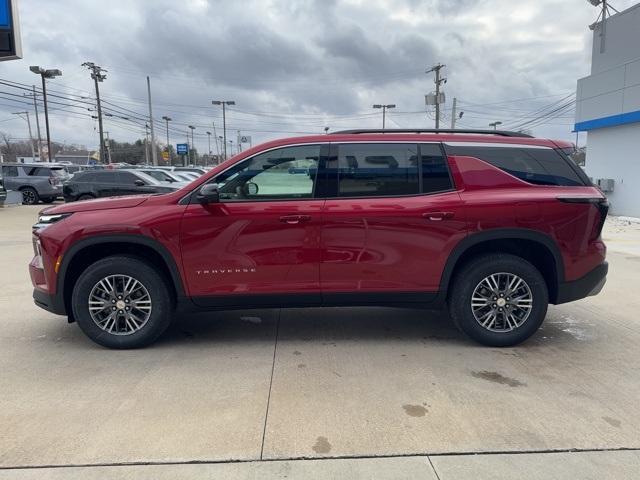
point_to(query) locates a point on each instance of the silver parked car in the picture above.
(36, 182)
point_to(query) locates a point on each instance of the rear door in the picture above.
(127, 184)
(392, 218)
(260, 243)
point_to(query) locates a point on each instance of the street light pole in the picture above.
(495, 125)
(384, 111)
(168, 119)
(195, 160)
(50, 73)
(224, 103)
(209, 138)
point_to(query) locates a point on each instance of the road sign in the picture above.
(10, 39)
(244, 139)
(182, 148)
(165, 155)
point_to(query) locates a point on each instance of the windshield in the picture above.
(59, 172)
(148, 178)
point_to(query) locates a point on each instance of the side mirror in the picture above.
(139, 183)
(209, 193)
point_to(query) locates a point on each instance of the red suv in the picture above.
(496, 225)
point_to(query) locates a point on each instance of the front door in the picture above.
(260, 243)
(391, 223)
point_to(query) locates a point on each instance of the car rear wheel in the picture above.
(122, 302)
(29, 196)
(86, 196)
(498, 300)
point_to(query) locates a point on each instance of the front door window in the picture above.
(281, 174)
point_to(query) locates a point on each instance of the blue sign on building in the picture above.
(5, 21)
(182, 148)
(10, 40)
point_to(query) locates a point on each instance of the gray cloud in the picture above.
(301, 63)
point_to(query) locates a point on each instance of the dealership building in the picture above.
(608, 109)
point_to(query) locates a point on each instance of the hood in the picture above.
(98, 204)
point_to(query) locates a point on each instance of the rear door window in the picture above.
(106, 177)
(386, 169)
(9, 171)
(376, 169)
(540, 166)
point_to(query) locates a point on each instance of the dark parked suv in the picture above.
(494, 225)
(36, 182)
(89, 184)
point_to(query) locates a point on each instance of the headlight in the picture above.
(44, 220)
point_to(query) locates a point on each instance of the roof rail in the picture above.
(502, 133)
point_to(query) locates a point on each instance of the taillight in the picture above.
(601, 203)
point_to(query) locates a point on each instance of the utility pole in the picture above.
(46, 73)
(216, 139)
(146, 143)
(224, 120)
(108, 147)
(209, 138)
(438, 81)
(239, 143)
(98, 76)
(154, 154)
(35, 107)
(384, 111)
(453, 114)
(33, 153)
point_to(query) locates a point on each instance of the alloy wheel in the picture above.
(120, 304)
(501, 302)
(28, 197)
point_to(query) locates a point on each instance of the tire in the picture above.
(521, 316)
(86, 196)
(29, 196)
(153, 312)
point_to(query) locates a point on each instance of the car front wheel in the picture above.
(122, 302)
(498, 300)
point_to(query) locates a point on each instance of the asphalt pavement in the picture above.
(323, 393)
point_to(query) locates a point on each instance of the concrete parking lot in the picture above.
(324, 393)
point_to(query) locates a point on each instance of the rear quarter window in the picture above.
(539, 166)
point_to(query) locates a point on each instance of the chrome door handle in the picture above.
(294, 219)
(438, 216)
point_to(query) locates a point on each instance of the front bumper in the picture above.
(51, 303)
(586, 286)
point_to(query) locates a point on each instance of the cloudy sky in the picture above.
(295, 66)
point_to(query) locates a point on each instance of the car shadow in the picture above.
(312, 324)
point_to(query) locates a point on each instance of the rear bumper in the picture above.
(588, 285)
(50, 191)
(51, 303)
